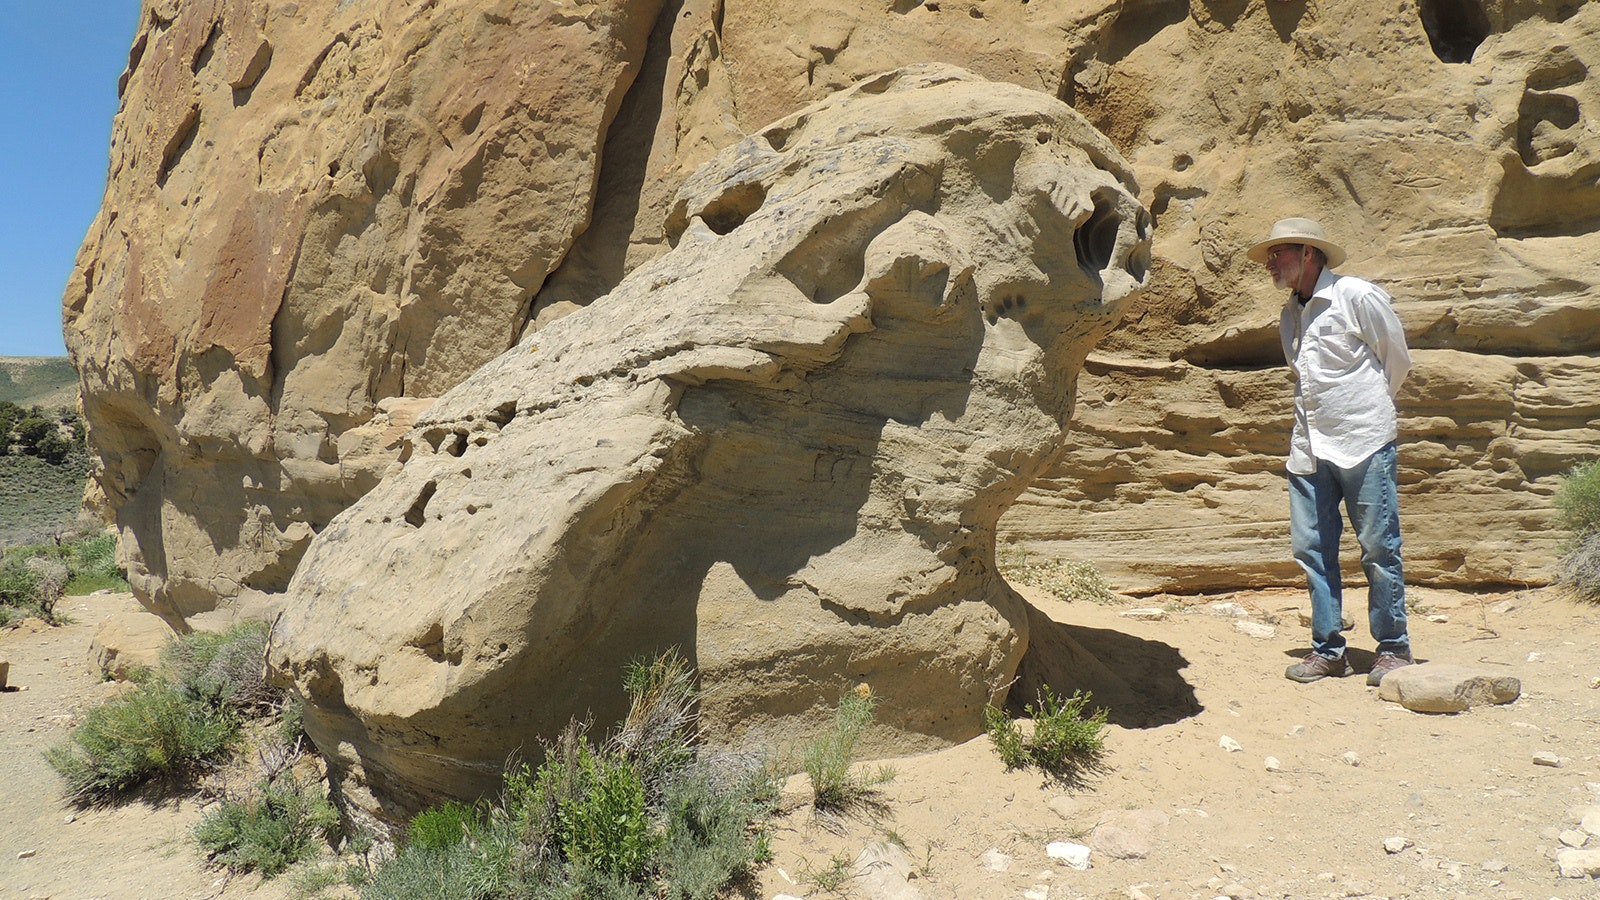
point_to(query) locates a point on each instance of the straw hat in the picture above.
(1297, 231)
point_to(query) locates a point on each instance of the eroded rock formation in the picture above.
(312, 208)
(1452, 150)
(787, 457)
(318, 213)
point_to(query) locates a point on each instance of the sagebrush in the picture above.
(1064, 742)
(830, 760)
(181, 720)
(1578, 503)
(284, 820)
(644, 813)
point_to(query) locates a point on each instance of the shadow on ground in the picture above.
(1137, 681)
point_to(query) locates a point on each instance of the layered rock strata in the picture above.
(317, 208)
(787, 457)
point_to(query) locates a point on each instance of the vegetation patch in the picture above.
(39, 501)
(836, 782)
(1063, 742)
(1067, 579)
(1578, 502)
(34, 577)
(642, 814)
(180, 721)
(283, 820)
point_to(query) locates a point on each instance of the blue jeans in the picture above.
(1371, 496)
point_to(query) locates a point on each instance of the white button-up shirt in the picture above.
(1348, 353)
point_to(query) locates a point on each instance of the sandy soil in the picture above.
(1175, 814)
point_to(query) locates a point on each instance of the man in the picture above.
(1347, 351)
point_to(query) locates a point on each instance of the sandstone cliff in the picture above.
(318, 213)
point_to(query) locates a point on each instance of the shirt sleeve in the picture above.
(1382, 331)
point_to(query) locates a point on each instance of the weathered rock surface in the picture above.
(1442, 688)
(1445, 146)
(311, 207)
(1578, 863)
(127, 641)
(787, 458)
(315, 206)
(883, 871)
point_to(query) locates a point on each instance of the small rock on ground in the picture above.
(1075, 856)
(1440, 688)
(1578, 863)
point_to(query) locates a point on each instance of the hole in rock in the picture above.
(1455, 28)
(431, 642)
(729, 210)
(503, 414)
(1544, 127)
(1096, 240)
(1560, 70)
(417, 514)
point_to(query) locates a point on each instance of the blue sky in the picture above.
(59, 63)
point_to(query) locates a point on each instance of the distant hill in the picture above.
(47, 381)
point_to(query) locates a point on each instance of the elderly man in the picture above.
(1348, 353)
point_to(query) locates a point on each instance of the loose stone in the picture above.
(1076, 856)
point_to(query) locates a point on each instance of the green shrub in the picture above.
(640, 815)
(93, 562)
(603, 825)
(1067, 579)
(659, 732)
(291, 721)
(1578, 499)
(282, 822)
(149, 733)
(178, 721)
(34, 577)
(830, 759)
(441, 826)
(1064, 742)
(225, 670)
(1578, 502)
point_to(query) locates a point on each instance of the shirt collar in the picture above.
(1325, 280)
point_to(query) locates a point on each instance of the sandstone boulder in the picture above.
(127, 641)
(1440, 688)
(782, 448)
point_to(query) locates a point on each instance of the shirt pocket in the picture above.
(1336, 347)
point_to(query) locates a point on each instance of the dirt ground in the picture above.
(1361, 798)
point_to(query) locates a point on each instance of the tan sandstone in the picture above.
(787, 461)
(314, 207)
(1442, 688)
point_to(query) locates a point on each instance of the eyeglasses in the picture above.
(1274, 252)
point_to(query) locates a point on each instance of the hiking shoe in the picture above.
(1384, 664)
(1316, 666)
